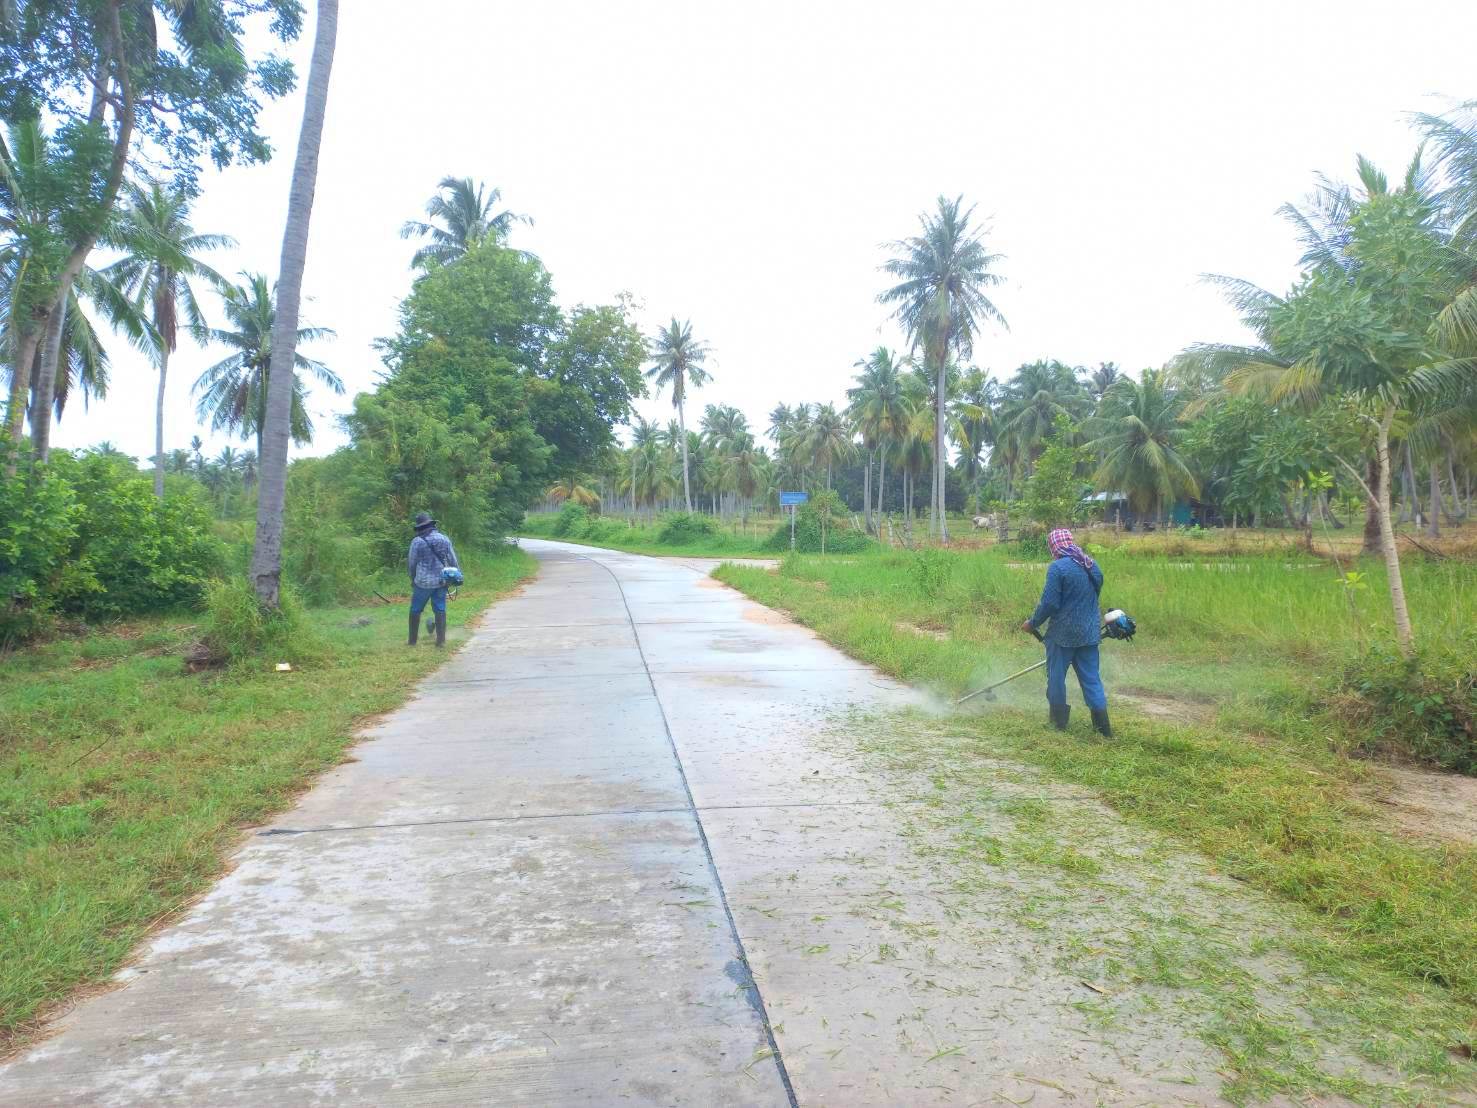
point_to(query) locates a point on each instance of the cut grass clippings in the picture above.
(1158, 937)
(1256, 785)
(124, 781)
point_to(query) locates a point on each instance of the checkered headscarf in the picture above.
(1061, 544)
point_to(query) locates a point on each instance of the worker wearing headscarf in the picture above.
(1070, 602)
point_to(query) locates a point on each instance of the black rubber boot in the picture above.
(1060, 714)
(1100, 723)
(440, 628)
(415, 628)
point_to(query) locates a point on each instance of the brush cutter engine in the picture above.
(1118, 624)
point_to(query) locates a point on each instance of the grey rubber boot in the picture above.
(1100, 723)
(415, 628)
(1060, 714)
(440, 628)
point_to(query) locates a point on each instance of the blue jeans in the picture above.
(419, 596)
(1084, 660)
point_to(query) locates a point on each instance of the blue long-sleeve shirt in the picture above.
(1070, 601)
(429, 555)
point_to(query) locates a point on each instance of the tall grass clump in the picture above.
(238, 628)
(1423, 707)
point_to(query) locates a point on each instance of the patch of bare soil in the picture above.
(758, 613)
(1161, 707)
(1435, 805)
(922, 632)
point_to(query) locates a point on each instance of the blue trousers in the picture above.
(1084, 660)
(419, 596)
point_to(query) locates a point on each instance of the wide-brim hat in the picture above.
(424, 520)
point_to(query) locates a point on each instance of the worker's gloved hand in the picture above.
(1026, 626)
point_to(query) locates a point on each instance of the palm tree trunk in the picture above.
(20, 387)
(266, 557)
(686, 484)
(1433, 524)
(159, 422)
(867, 495)
(1403, 633)
(1372, 539)
(45, 390)
(881, 486)
(939, 459)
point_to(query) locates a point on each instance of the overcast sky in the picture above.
(741, 165)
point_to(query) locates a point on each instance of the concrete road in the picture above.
(598, 859)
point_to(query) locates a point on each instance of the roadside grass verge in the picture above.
(1244, 771)
(124, 781)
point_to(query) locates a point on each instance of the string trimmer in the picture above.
(1117, 624)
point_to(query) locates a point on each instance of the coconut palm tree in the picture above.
(570, 490)
(828, 439)
(464, 209)
(1036, 397)
(940, 300)
(1369, 323)
(878, 411)
(1100, 380)
(678, 361)
(743, 471)
(66, 353)
(155, 275)
(1137, 441)
(233, 393)
(281, 384)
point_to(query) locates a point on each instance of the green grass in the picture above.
(125, 781)
(1250, 773)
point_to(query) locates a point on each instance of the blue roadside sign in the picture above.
(790, 499)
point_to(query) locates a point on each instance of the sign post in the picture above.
(789, 500)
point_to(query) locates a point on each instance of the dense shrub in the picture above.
(132, 554)
(38, 522)
(683, 528)
(1423, 707)
(572, 522)
(86, 536)
(839, 540)
(1030, 541)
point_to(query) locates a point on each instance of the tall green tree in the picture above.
(234, 393)
(156, 275)
(96, 70)
(462, 216)
(678, 363)
(1363, 325)
(1138, 442)
(942, 277)
(281, 386)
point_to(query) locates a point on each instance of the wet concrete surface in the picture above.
(547, 879)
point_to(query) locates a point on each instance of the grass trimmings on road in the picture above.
(1151, 931)
(1234, 767)
(124, 781)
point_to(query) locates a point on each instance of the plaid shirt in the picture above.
(429, 555)
(1070, 601)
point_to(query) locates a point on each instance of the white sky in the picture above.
(740, 164)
